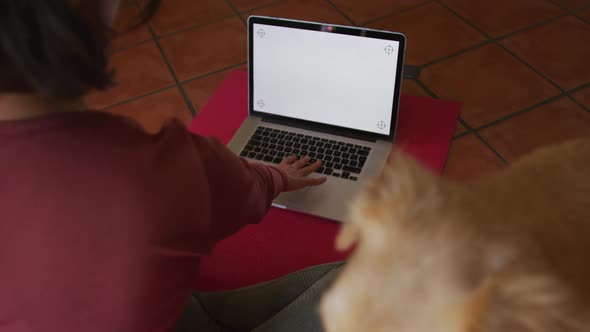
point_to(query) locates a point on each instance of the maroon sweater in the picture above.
(102, 225)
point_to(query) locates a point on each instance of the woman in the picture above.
(102, 224)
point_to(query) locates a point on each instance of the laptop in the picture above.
(326, 91)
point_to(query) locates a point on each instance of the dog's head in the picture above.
(419, 267)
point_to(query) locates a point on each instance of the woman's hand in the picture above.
(297, 172)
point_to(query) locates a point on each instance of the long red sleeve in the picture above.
(102, 225)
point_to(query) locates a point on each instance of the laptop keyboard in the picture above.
(339, 159)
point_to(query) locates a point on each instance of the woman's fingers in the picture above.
(300, 163)
(305, 171)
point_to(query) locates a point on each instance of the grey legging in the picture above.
(286, 304)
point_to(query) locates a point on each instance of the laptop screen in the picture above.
(336, 79)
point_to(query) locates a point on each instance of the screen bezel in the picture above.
(346, 30)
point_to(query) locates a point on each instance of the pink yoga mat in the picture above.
(285, 242)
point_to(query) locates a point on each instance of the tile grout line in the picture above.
(136, 98)
(341, 12)
(520, 112)
(396, 13)
(274, 2)
(156, 39)
(213, 72)
(468, 128)
(236, 11)
(188, 102)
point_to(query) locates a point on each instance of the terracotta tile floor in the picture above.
(521, 67)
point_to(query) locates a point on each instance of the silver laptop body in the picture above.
(328, 91)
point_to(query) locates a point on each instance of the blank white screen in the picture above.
(330, 78)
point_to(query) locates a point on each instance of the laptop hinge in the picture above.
(321, 128)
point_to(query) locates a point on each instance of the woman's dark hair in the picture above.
(56, 48)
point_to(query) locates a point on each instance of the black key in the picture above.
(332, 141)
(304, 147)
(346, 155)
(265, 151)
(352, 169)
(349, 145)
(274, 135)
(345, 162)
(320, 170)
(289, 137)
(313, 148)
(330, 164)
(296, 152)
(327, 158)
(316, 139)
(304, 141)
(257, 149)
(265, 133)
(324, 140)
(255, 143)
(345, 175)
(363, 153)
(328, 146)
(249, 147)
(268, 158)
(320, 144)
(244, 153)
(288, 149)
(322, 150)
(329, 152)
(352, 151)
(366, 148)
(312, 155)
(258, 131)
(251, 155)
(266, 139)
(340, 143)
(336, 175)
(259, 156)
(354, 157)
(282, 142)
(296, 139)
(312, 143)
(256, 137)
(295, 145)
(336, 147)
(338, 166)
(284, 132)
(313, 160)
(265, 145)
(307, 136)
(275, 130)
(277, 160)
(337, 154)
(281, 136)
(274, 141)
(358, 147)
(328, 171)
(273, 152)
(353, 178)
(280, 148)
(290, 144)
(336, 160)
(353, 163)
(272, 146)
(320, 156)
(362, 159)
(299, 135)
(344, 149)
(281, 154)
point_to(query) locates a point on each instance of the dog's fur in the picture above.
(509, 253)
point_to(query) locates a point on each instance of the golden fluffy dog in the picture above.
(509, 253)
